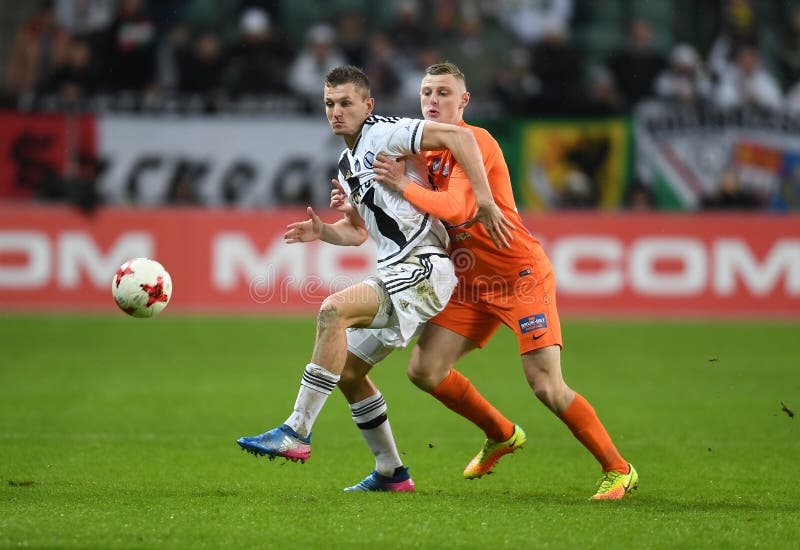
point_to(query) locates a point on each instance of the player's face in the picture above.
(443, 98)
(347, 108)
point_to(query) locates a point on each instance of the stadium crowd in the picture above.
(523, 58)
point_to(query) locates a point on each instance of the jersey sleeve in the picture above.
(404, 139)
(454, 206)
(457, 204)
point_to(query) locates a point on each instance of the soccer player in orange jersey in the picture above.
(514, 286)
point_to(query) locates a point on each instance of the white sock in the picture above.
(370, 416)
(315, 387)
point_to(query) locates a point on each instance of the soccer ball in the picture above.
(142, 287)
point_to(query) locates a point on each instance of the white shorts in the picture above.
(411, 293)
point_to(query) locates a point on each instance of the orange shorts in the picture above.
(528, 307)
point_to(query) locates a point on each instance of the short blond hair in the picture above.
(447, 68)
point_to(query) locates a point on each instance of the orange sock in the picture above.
(587, 428)
(459, 395)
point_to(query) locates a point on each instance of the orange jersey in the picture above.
(474, 254)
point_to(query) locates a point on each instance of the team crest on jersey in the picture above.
(435, 164)
(369, 158)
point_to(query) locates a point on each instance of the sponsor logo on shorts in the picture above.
(532, 322)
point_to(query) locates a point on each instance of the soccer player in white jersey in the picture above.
(415, 275)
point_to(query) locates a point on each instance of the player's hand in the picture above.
(306, 230)
(496, 224)
(339, 198)
(390, 173)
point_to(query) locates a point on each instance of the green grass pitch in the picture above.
(120, 433)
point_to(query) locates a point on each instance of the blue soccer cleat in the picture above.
(282, 441)
(400, 482)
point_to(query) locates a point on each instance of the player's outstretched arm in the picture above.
(306, 230)
(462, 143)
(349, 231)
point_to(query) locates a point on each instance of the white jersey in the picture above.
(393, 223)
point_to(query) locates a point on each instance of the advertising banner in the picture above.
(148, 160)
(57, 258)
(225, 260)
(675, 265)
(684, 152)
(270, 161)
(575, 163)
(36, 147)
(226, 160)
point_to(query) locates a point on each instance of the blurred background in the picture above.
(654, 145)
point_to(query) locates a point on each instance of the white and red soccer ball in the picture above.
(142, 287)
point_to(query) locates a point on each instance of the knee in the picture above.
(418, 378)
(426, 376)
(543, 372)
(543, 383)
(329, 316)
(554, 394)
(543, 391)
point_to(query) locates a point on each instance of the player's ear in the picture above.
(370, 105)
(464, 100)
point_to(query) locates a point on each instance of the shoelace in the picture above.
(608, 480)
(488, 447)
(370, 483)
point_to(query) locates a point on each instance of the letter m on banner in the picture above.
(79, 253)
(734, 260)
